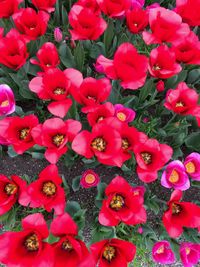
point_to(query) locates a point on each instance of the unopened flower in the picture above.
(7, 100)
(175, 176)
(89, 179)
(160, 86)
(58, 36)
(162, 253)
(140, 230)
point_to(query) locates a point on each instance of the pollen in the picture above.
(174, 177)
(147, 157)
(160, 250)
(156, 67)
(10, 189)
(109, 253)
(99, 144)
(32, 243)
(121, 116)
(49, 189)
(179, 105)
(125, 143)
(187, 251)
(190, 167)
(117, 202)
(176, 209)
(59, 91)
(100, 119)
(24, 133)
(92, 98)
(90, 178)
(66, 245)
(58, 139)
(136, 193)
(4, 104)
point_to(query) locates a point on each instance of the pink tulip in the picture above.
(137, 3)
(140, 230)
(175, 176)
(7, 100)
(138, 191)
(192, 165)
(162, 253)
(89, 179)
(58, 36)
(124, 114)
(190, 254)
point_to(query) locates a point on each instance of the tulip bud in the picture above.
(58, 36)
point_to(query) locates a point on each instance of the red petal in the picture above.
(60, 108)
(63, 225)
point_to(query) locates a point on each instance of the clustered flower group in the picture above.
(109, 136)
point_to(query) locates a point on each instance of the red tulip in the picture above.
(188, 50)
(56, 85)
(183, 100)
(54, 134)
(189, 10)
(113, 252)
(166, 26)
(137, 20)
(8, 8)
(91, 4)
(30, 23)
(46, 192)
(13, 51)
(11, 192)
(86, 25)
(114, 9)
(180, 214)
(17, 131)
(27, 248)
(91, 93)
(128, 66)
(69, 250)
(121, 205)
(162, 63)
(46, 5)
(104, 142)
(47, 56)
(151, 157)
(100, 113)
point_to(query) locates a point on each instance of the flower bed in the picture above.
(100, 116)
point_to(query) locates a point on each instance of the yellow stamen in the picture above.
(179, 104)
(10, 189)
(187, 251)
(176, 208)
(24, 133)
(58, 139)
(4, 104)
(147, 157)
(59, 91)
(109, 253)
(32, 243)
(99, 144)
(121, 116)
(174, 177)
(90, 178)
(156, 67)
(160, 250)
(125, 143)
(190, 167)
(66, 245)
(49, 189)
(117, 202)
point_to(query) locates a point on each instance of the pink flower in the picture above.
(137, 3)
(140, 230)
(160, 86)
(89, 179)
(124, 114)
(154, 5)
(58, 36)
(175, 176)
(162, 253)
(138, 191)
(7, 100)
(190, 254)
(192, 165)
(146, 119)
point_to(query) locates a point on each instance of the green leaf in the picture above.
(100, 194)
(146, 90)
(66, 56)
(102, 232)
(192, 141)
(79, 56)
(72, 207)
(76, 183)
(193, 76)
(11, 152)
(97, 49)
(108, 35)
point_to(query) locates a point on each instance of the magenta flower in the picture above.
(58, 36)
(175, 176)
(154, 5)
(89, 179)
(124, 114)
(7, 100)
(192, 165)
(190, 254)
(140, 230)
(138, 191)
(137, 3)
(162, 253)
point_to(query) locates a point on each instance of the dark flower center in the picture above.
(125, 143)
(49, 189)
(180, 104)
(66, 245)
(59, 91)
(117, 202)
(156, 67)
(147, 157)
(32, 243)
(10, 189)
(24, 133)
(109, 253)
(58, 139)
(176, 208)
(99, 144)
